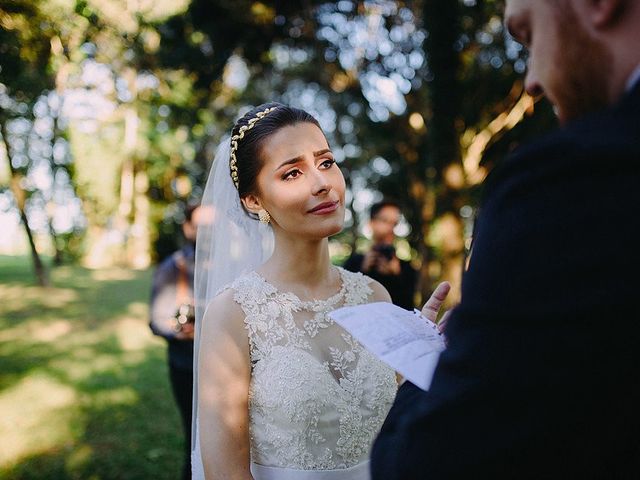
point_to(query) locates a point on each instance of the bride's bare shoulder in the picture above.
(224, 312)
(380, 293)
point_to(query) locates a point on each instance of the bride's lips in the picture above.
(325, 208)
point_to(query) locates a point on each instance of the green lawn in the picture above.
(84, 390)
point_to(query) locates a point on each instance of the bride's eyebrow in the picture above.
(291, 161)
(299, 158)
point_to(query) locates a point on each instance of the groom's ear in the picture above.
(252, 203)
(603, 14)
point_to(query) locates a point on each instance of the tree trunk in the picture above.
(133, 211)
(140, 241)
(20, 198)
(442, 21)
(58, 247)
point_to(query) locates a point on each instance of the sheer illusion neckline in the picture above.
(317, 398)
(312, 305)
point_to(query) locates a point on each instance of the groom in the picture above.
(541, 378)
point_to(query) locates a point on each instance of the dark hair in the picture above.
(188, 211)
(248, 154)
(376, 207)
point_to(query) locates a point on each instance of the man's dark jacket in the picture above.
(541, 378)
(401, 287)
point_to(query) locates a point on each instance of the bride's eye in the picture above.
(295, 173)
(328, 163)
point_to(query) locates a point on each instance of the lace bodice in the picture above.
(317, 398)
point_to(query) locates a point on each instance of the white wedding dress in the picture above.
(317, 397)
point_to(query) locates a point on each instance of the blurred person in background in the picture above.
(380, 261)
(172, 317)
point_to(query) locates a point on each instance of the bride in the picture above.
(282, 392)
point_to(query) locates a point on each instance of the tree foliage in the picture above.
(418, 99)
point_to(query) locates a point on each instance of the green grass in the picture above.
(84, 390)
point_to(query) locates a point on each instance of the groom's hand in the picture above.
(433, 305)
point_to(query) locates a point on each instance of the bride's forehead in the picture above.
(294, 140)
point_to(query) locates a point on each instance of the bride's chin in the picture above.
(336, 231)
(330, 230)
(317, 233)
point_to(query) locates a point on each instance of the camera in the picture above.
(185, 314)
(387, 251)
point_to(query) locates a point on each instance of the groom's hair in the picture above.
(249, 155)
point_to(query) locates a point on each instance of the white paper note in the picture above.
(406, 341)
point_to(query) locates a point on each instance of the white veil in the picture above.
(229, 243)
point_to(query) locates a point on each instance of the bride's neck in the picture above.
(299, 261)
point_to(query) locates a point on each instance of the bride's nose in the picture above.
(320, 185)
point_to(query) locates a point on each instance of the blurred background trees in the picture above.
(110, 112)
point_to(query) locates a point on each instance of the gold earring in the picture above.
(264, 216)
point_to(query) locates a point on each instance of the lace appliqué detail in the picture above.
(317, 397)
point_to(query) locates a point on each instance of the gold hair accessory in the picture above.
(264, 216)
(233, 162)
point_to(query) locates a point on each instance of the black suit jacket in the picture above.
(541, 378)
(401, 287)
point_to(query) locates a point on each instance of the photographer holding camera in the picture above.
(172, 317)
(381, 262)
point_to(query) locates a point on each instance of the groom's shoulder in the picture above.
(597, 147)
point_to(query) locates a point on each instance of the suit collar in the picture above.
(631, 99)
(635, 90)
(634, 80)
(590, 128)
